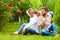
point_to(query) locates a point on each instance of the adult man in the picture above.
(31, 27)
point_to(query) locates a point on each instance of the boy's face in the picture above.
(31, 12)
(44, 12)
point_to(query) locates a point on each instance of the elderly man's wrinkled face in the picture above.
(31, 12)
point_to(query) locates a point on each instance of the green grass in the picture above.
(24, 37)
(11, 27)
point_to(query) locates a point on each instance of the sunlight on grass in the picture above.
(25, 37)
(11, 27)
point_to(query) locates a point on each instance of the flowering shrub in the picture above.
(10, 9)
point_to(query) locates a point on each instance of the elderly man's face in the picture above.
(31, 12)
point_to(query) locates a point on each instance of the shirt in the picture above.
(33, 23)
(46, 21)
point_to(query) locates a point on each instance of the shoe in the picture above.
(15, 33)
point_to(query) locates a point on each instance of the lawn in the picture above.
(11, 27)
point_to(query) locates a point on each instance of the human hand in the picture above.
(23, 31)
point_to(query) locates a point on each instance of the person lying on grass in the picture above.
(46, 22)
(32, 26)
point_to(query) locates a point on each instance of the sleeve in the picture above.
(52, 13)
(32, 22)
(27, 13)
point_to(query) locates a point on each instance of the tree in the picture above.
(10, 8)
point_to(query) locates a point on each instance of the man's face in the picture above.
(31, 12)
(44, 12)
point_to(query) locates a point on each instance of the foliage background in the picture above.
(11, 10)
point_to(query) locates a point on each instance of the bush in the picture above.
(49, 3)
(57, 13)
(4, 15)
(4, 18)
(10, 8)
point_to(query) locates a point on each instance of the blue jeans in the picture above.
(30, 30)
(53, 28)
(21, 28)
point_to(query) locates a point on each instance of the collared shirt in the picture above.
(45, 21)
(33, 23)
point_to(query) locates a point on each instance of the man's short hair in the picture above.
(45, 8)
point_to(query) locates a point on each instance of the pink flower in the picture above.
(20, 12)
(10, 5)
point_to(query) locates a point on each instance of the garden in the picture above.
(13, 14)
